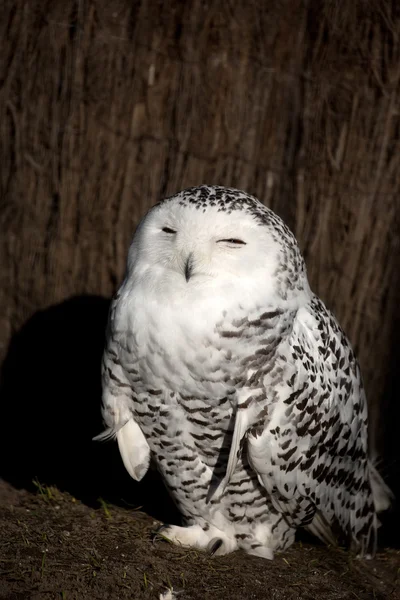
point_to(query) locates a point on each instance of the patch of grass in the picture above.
(23, 535)
(169, 583)
(145, 580)
(94, 561)
(106, 508)
(48, 493)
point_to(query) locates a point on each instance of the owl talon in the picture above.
(157, 534)
(214, 545)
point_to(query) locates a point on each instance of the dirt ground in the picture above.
(55, 546)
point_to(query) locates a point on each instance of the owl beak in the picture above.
(189, 266)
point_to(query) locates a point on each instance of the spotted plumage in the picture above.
(224, 367)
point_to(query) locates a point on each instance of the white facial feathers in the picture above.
(215, 247)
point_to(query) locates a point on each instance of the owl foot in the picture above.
(213, 541)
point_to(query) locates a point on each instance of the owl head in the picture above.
(211, 240)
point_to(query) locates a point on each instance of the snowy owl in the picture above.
(224, 367)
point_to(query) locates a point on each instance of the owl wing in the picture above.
(117, 405)
(309, 449)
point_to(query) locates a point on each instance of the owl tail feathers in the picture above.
(241, 425)
(321, 529)
(382, 494)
